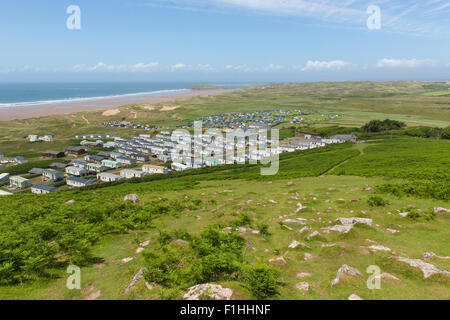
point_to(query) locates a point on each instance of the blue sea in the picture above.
(35, 94)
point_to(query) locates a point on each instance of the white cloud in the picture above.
(324, 65)
(273, 67)
(406, 63)
(400, 16)
(103, 67)
(180, 67)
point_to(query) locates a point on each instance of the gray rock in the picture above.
(132, 197)
(214, 291)
(345, 269)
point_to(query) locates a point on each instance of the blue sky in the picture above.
(224, 40)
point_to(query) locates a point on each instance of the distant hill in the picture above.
(204, 87)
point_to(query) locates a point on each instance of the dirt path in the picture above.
(359, 147)
(84, 118)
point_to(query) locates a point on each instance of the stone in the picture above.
(304, 229)
(393, 231)
(388, 276)
(126, 260)
(299, 207)
(403, 214)
(279, 260)
(140, 249)
(339, 228)
(214, 291)
(294, 244)
(313, 235)
(441, 210)
(138, 276)
(131, 197)
(427, 268)
(354, 297)
(345, 269)
(325, 245)
(247, 230)
(298, 221)
(379, 248)
(301, 275)
(369, 189)
(272, 201)
(347, 221)
(145, 243)
(302, 286)
(308, 256)
(429, 255)
(70, 202)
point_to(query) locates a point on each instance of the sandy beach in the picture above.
(17, 113)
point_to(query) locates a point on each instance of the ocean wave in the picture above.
(158, 93)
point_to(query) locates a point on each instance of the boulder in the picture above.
(298, 221)
(302, 286)
(388, 276)
(347, 221)
(309, 256)
(294, 244)
(70, 202)
(354, 297)
(313, 235)
(427, 268)
(279, 260)
(339, 228)
(138, 276)
(429, 255)
(345, 269)
(441, 210)
(301, 275)
(214, 291)
(379, 248)
(131, 197)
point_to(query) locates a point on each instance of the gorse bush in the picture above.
(211, 256)
(376, 201)
(38, 236)
(262, 280)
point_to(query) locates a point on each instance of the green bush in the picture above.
(376, 201)
(262, 280)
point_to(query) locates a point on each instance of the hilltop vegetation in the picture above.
(41, 235)
(262, 236)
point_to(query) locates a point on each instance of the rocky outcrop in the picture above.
(441, 210)
(427, 268)
(294, 244)
(214, 291)
(131, 197)
(430, 255)
(353, 221)
(379, 248)
(302, 286)
(354, 297)
(339, 228)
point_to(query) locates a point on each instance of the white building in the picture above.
(129, 173)
(76, 171)
(108, 177)
(152, 169)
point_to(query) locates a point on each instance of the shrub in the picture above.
(262, 280)
(376, 201)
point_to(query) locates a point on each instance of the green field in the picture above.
(41, 235)
(394, 178)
